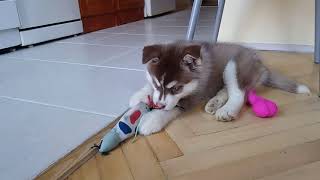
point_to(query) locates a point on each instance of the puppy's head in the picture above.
(172, 71)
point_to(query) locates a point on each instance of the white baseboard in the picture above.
(280, 47)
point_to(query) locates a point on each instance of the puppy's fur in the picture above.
(182, 74)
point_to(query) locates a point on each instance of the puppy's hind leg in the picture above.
(217, 101)
(236, 96)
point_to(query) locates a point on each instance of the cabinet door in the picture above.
(130, 15)
(96, 7)
(129, 4)
(95, 23)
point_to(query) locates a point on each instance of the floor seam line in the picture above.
(80, 64)
(119, 56)
(95, 44)
(56, 106)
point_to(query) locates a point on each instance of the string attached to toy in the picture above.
(96, 145)
(136, 132)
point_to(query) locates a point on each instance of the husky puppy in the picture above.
(183, 74)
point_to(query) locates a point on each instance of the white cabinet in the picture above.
(9, 23)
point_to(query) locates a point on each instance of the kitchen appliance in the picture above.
(43, 20)
(9, 23)
(155, 7)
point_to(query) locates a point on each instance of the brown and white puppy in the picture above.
(182, 74)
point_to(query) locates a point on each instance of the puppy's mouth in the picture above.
(168, 91)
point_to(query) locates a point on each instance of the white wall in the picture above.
(268, 21)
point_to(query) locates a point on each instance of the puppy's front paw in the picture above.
(136, 99)
(150, 124)
(213, 105)
(226, 113)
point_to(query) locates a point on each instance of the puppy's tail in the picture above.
(275, 80)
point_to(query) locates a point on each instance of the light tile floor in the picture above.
(55, 95)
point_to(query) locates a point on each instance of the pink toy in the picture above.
(262, 107)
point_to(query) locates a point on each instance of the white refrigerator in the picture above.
(156, 7)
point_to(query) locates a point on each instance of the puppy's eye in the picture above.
(155, 60)
(176, 89)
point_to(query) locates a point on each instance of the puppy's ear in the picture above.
(151, 52)
(192, 58)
